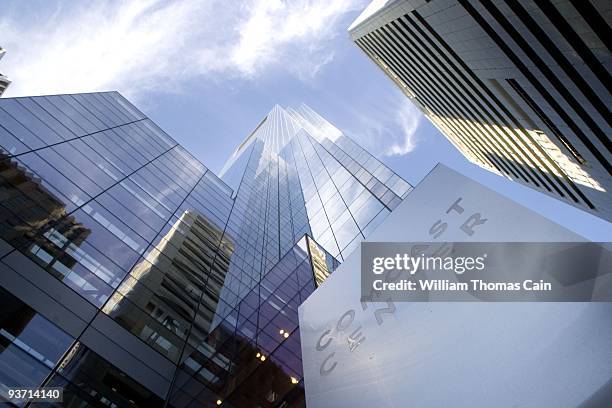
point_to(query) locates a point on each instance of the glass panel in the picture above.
(30, 345)
(89, 379)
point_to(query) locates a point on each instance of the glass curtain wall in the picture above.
(166, 258)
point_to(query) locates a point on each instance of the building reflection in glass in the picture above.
(33, 218)
(175, 289)
(253, 357)
(30, 345)
(89, 380)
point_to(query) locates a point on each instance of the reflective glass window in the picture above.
(90, 380)
(30, 345)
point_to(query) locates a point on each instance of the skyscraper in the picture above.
(521, 88)
(4, 81)
(133, 275)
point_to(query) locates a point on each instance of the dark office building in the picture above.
(131, 275)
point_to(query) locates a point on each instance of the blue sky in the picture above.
(208, 71)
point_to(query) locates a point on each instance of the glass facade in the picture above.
(299, 175)
(132, 274)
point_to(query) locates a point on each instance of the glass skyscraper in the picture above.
(132, 275)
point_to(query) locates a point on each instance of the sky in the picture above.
(208, 71)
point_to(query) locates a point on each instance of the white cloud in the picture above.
(407, 118)
(387, 125)
(301, 28)
(142, 45)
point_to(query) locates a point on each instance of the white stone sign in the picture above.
(453, 354)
